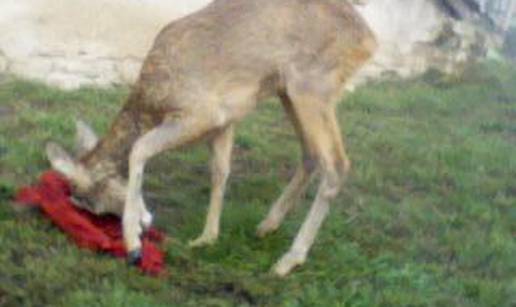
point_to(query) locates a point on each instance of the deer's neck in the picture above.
(110, 156)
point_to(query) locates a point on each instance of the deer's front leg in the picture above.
(222, 145)
(134, 206)
(166, 136)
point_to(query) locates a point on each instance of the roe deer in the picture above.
(204, 73)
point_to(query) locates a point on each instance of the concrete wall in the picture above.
(70, 43)
(415, 35)
(82, 42)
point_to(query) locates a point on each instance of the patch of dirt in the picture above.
(242, 295)
(228, 290)
(3, 297)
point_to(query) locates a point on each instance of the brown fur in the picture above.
(208, 70)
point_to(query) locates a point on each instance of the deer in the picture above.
(204, 73)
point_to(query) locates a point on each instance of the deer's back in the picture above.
(244, 43)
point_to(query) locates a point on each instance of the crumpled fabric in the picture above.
(98, 233)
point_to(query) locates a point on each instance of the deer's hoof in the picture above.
(134, 257)
(266, 227)
(146, 220)
(204, 240)
(288, 262)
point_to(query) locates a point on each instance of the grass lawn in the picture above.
(426, 218)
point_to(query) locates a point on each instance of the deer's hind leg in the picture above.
(314, 108)
(222, 145)
(297, 185)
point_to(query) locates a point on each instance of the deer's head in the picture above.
(93, 188)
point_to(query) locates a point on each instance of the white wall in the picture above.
(70, 43)
(79, 42)
(406, 31)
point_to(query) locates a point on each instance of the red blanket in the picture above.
(98, 233)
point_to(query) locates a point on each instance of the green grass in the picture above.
(426, 218)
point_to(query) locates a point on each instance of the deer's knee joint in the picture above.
(331, 184)
(220, 174)
(309, 164)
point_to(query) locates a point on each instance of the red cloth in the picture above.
(98, 233)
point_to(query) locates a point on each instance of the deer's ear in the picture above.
(63, 163)
(85, 139)
(60, 160)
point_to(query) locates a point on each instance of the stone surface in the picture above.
(82, 42)
(102, 42)
(414, 36)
